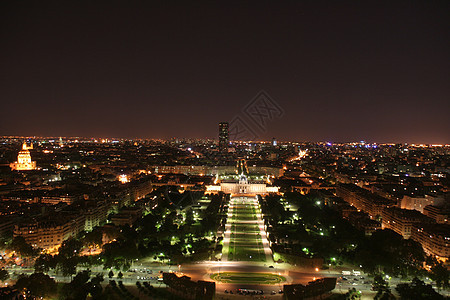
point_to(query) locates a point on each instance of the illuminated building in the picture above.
(402, 221)
(434, 238)
(95, 215)
(49, 233)
(241, 185)
(24, 162)
(223, 136)
(419, 203)
(274, 142)
(123, 178)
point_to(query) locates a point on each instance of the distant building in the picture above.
(362, 221)
(24, 162)
(362, 199)
(127, 216)
(6, 225)
(439, 214)
(69, 199)
(419, 203)
(223, 136)
(215, 170)
(95, 215)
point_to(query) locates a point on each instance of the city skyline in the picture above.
(211, 218)
(339, 72)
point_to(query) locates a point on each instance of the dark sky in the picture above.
(341, 71)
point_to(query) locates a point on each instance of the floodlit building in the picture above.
(434, 238)
(48, 234)
(402, 220)
(242, 186)
(24, 162)
(419, 203)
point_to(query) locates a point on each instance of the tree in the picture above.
(68, 256)
(70, 248)
(96, 286)
(386, 251)
(417, 290)
(440, 274)
(119, 254)
(78, 288)
(384, 295)
(353, 294)
(4, 275)
(21, 247)
(37, 284)
(93, 238)
(68, 266)
(44, 263)
(379, 284)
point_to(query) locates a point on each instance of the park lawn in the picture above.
(246, 250)
(247, 228)
(250, 278)
(245, 240)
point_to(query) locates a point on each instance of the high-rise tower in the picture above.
(223, 136)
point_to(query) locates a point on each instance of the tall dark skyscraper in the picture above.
(223, 136)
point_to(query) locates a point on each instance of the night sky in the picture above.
(341, 71)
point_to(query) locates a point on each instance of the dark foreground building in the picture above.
(185, 288)
(314, 288)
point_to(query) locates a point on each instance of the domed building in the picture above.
(24, 162)
(242, 183)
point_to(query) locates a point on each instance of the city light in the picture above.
(123, 178)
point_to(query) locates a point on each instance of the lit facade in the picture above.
(419, 203)
(402, 220)
(434, 238)
(49, 235)
(242, 187)
(24, 162)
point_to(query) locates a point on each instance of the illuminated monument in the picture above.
(24, 162)
(242, 183)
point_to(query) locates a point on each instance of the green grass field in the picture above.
(248, 278)
(245, 240)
